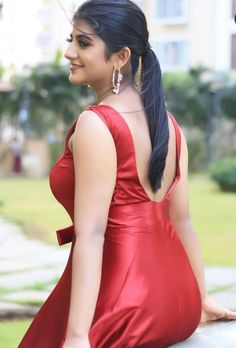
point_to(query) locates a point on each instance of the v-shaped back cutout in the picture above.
(135, 167)
(95, 108)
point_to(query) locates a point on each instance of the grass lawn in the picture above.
(30, 203)
(11, 332)
(214, 218)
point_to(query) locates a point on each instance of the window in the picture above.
(171, 10)
(172, 54)
(233, 8)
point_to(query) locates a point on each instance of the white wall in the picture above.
(31, 31)
(207, 30)
(209, 33)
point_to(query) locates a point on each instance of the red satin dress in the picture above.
(149, 296)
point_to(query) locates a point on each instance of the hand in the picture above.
(213, 311)
(76, 342)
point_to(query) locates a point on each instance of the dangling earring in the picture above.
(116, 80)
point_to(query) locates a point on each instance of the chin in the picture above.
(75, 80)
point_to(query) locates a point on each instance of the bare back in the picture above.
(138, 127)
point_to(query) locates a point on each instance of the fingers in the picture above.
(230, 315)
(225, 314)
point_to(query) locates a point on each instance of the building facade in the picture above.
(188, 33)
(31, 32)
(184, 33)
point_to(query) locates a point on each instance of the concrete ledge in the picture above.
(219, 334)
(9, 311)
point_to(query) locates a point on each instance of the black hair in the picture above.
(121, 23)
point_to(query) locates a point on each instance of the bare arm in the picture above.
(180, 216)
(94, 157)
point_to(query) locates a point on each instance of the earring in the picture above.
(116, 80)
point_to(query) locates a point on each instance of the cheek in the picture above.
(98, 67)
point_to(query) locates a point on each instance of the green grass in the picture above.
(11, 332)
(31, 203)
(213, 216)
(31, 302)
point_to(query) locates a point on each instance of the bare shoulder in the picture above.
(89, 119)
(91, 130)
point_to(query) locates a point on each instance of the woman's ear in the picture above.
(122, 57)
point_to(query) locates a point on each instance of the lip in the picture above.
(74, 67)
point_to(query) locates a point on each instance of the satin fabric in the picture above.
(149, 296)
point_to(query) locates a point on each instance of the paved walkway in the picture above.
(30, 269)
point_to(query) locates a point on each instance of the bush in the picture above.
(224, 173)
(196, 149)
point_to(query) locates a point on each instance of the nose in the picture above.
(71, 52)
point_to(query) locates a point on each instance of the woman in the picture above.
(135, 275)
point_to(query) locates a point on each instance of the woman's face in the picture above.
(86, 54)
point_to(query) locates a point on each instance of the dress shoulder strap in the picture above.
(177, 134)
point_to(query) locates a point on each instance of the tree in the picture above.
(189, 96)
(228, 101)
(42, 97)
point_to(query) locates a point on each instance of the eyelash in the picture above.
(79, 41)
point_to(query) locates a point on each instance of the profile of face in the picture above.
(88, 63)
(86, 54)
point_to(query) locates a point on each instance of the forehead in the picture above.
(82, 27)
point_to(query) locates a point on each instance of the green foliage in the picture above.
(192, 95)
(52, 97)
(48, 96)
(1, 71)
(228, 101)
(188, 96)
(224, 173)
(196, 149)
(176, 87)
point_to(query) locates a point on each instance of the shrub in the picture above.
(196, 149)
(224, 173)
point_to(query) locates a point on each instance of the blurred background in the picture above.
(195, 42)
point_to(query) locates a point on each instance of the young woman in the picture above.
(135, 274)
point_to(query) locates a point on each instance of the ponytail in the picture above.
(154, 105)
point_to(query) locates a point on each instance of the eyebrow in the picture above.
(82, 36)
